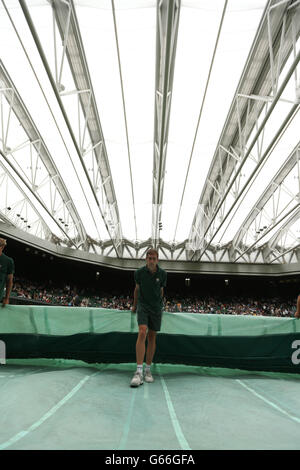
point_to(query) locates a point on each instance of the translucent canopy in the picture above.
(128, 124)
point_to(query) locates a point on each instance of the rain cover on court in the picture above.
(109, 336)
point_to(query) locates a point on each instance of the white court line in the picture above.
(47, 415)
(177, 428)
(5, 374)
(12, 376)
(122, 445)
(20, 375)
(269, 402)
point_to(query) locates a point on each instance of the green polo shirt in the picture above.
(6, 267)
(149, 296)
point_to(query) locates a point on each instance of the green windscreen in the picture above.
(97, 335)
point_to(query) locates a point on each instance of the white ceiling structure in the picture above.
(174, 124)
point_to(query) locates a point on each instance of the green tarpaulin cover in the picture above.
(108, 336)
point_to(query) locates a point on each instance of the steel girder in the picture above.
(258, 85)
(38, 202)
(65, 17)
(166, 40)
(137, 250)
(274, 42)
(19, 212)
(129, 264)
(55, 184)
(3, 218)
(274, 249)
(276, 203)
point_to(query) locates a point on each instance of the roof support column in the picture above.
(166, 40)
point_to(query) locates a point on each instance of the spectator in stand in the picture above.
(76, 301)
(84, 302)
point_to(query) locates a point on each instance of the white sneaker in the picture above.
(148, 376)
(137, 380)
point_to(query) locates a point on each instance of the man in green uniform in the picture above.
(148, 302)
(6, 274)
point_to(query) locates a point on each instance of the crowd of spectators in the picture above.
(69, 296)
(42, 292)
(233, 306)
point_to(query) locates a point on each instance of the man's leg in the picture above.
(140, 344)
(151, 347)
(140, 354)
(149, 355)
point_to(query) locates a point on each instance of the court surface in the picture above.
(59, 404)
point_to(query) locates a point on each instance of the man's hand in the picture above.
(5, 301)
(297, 315)
(133, 309)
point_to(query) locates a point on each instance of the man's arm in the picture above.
(297, 314)
(135, 297)
(9, 284)
(162, 295)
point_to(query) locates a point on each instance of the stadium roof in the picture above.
(129, 124)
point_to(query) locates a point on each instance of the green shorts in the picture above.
(151, 319)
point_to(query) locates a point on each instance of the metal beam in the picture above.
(36, 198)
(277, 136)
(67, 22)
(260, 204)
(113, 236)
(10, 175)
(35, 139)
(6, 220)
(129, 264)
(256, 80)
(166, 42)
(275, 239)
